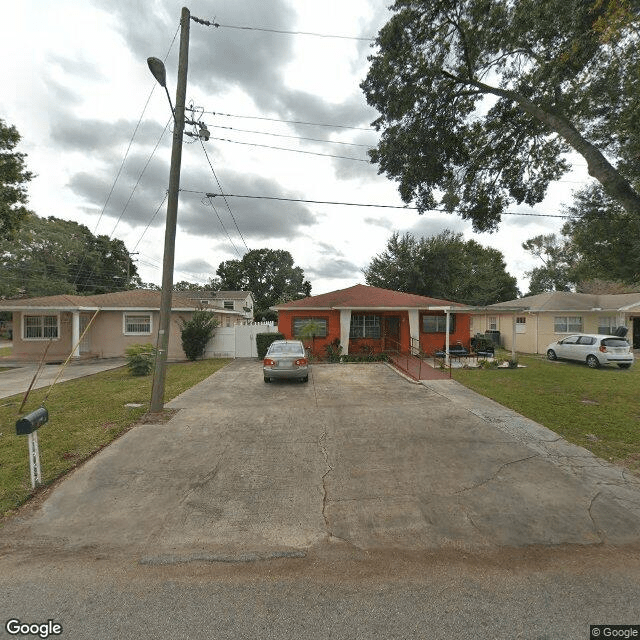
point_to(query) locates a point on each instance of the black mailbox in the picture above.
(32, 421)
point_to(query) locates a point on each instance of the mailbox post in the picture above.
(29, 425)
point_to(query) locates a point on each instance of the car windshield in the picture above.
(286, 349)
(615, 342)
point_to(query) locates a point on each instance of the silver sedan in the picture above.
(286, 359)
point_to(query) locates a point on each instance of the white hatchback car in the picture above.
(594, 349)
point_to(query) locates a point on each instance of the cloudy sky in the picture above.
(97, 132)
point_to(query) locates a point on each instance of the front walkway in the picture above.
(417, 369)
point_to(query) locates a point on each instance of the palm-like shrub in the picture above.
(196, 333)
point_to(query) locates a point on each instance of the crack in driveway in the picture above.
(328, 469)
(597, 530)
(494, 475)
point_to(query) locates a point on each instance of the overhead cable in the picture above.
(364, 204)
(311, 153)
(282, 135)
(303, 122)
(222, 194)
(217, 25)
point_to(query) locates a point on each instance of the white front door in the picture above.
(85, 343)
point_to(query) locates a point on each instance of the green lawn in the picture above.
(84, 415)
(5, 351)
(598, 409)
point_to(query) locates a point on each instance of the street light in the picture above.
(157, 68)
(159, 72)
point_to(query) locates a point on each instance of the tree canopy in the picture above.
(600, 242)
(49, 256)
(480, 100)
(269, 274)
(13, 180)
(443, 266)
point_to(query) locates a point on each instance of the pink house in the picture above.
(121, 319)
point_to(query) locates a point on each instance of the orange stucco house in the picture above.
(364, 317)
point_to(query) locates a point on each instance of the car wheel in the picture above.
(551, 355)
(624, 365)
(266, 379)
(305, 379)
(593, 362)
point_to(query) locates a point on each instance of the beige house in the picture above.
(119, 320)
(535, 321)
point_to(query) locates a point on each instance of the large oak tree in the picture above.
(50, 256)
(480, 99)
(269, 274)
(600, 242)
(443, 266)
(13, 180)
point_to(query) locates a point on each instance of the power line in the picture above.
(135, 186)
(311, 153)
(217, 25)
(153, 217)
(304, 122)
(282, 135)
(363, 204)
(126, 155)
(224, 228)
(222, 194)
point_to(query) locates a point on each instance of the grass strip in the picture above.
(85, 415)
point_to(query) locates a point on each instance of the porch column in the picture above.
(414, 327)
(446, 337)
(345, 329)
(75, 333)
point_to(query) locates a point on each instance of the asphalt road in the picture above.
(358, 505)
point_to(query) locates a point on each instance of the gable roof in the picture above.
(146, 299)
(362, 296)
(568, 301)
(205, 294)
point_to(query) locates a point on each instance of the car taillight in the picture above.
(301, 362)
(603, 348)
(268, 362)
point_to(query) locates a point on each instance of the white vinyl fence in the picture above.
(238, 341)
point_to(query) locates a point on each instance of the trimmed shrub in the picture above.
(197, 332)
(264, 340)
(140, 359)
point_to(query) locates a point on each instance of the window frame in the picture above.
(441, 323)
(365, 327)
(521, 324)
(611, 327)
(228, 305)
(569, 327)
(125, 314)
(305, 319)
(41, 317)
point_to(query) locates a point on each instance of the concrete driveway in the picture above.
(358, 457)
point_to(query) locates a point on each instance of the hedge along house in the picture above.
(529, 324)
(123, 319)
(370, 318)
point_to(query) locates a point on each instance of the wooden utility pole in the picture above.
(157, 393)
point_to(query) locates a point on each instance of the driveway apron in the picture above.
(359, 456)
